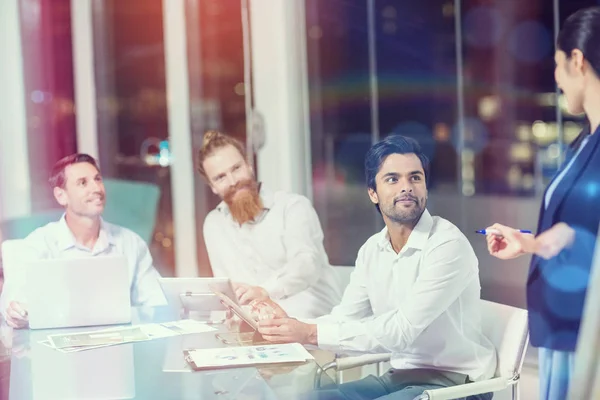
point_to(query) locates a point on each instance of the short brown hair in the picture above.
(57, 176)
(212, 141)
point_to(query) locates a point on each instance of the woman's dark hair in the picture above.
(581, 31)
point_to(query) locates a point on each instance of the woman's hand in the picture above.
(510, 243)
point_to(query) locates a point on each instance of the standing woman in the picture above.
(569, 215)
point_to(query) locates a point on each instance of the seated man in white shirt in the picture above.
(414, 292)
(81, 232)
(269, 243)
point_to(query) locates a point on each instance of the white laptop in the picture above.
(77, 292)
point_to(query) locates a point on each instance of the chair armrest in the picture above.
(469, 389)
(343, 363)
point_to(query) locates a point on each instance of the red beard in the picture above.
(244, 201)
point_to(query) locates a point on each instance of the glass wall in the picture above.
(133, 134)
(129, 69)
(130, 99)
(471, 80)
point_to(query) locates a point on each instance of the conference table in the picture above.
(153, 369)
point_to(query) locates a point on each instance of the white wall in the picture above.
(15, 185)
(182, 168)
(83, 71)
(280, 93)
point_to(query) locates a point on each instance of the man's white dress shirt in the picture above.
(421, 304)
(282, 251)
(55, 240)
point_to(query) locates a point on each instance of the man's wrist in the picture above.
(313, 334)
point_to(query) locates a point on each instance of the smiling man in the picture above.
(414, 292)
(81, 232)
(270, 243)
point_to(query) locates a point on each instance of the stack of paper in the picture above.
(79, 341)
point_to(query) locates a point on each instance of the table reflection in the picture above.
(153, 369)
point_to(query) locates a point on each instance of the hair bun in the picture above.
(208, 137)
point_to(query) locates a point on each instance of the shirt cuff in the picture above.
(275, 292)
(328, 337)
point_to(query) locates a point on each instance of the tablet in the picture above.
(195, 294)
(233, 305)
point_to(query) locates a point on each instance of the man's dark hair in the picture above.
(57, 176)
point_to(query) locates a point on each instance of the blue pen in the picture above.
(496, 232)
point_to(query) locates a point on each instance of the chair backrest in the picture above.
(506, 327)
(132, 205)
(20, 227)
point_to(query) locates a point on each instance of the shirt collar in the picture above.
(267, 197)
(418, 237)
(66, 239)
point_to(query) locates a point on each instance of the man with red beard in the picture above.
(81, 232)
(270, 244)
